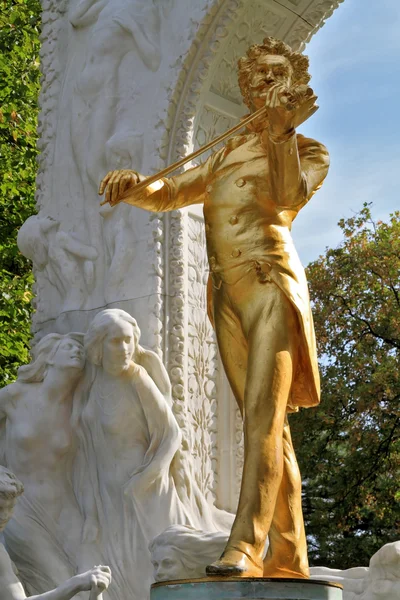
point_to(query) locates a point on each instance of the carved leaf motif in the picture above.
(202, 359)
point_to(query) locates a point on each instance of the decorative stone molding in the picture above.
(202, 364)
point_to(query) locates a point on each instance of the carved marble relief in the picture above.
(202, 351)
(103, 460)
(38, 445)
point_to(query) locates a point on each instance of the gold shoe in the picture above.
(235, 563)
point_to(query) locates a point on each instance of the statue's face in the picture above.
(166, 564)
(268, 70)
(118, 347)
(69, 353)
(6, 510)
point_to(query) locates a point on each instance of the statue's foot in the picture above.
(235, 563)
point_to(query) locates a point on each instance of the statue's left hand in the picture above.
(288, 108)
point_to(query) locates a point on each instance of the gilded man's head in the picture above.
(270, 63)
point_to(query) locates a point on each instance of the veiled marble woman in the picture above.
(128, 438)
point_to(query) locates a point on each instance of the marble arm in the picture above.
(65, 591)
(297, 167)
(155, 368)
(149, 53)
(72, 245)
(86, 12)
(95, 580)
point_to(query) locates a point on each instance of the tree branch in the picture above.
(390, 341)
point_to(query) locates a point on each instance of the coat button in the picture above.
(233, 220)
(240, 182)
(236, 252)
(208, 189)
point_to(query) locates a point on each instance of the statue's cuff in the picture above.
(281, 137)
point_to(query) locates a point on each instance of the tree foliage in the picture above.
(20, 80)
(348, 447)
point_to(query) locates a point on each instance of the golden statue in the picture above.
(252, 189)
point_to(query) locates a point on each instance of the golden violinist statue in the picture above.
(252, 189)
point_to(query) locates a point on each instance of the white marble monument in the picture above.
(112, 447)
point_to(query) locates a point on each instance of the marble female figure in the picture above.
(38, 446)
(128, 438)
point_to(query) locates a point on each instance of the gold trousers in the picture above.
(258, 334)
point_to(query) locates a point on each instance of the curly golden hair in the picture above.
(270, 45)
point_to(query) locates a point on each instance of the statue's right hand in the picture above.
(115, 183)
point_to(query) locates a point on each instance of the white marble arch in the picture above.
(171, 104)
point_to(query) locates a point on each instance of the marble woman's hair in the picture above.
(195, 549)
(299, 64)
(98, 330)
(42, 354)
(10, 486)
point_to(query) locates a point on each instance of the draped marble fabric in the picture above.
(122, 475)
(125, 472)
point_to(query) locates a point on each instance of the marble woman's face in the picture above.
(166, 564)
(118, 347)
(69, 353)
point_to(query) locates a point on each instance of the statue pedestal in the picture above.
(230, 588)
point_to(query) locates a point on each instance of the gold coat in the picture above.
(249, 206)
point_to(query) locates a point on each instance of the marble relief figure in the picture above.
(182, 552)
(128, 437)
(96, 580)
(60, 257)
(116, 29)
(38, 445)
(88, 428)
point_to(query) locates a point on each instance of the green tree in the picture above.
(348, 447)
(20, 80)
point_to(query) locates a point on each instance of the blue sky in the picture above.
(354, 62)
